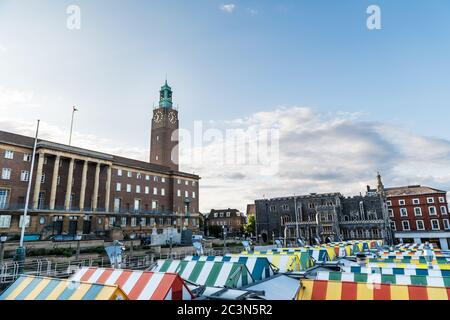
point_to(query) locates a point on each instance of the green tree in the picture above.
(250, 227)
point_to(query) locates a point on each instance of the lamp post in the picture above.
(170, 249)
(2, 248)
(224, 232)
(78, 238)
(132, 237)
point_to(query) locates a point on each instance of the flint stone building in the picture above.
(326, 217)
(77, 191)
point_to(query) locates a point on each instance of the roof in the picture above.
(411, 190)
(139, 285)
(335, 290)
(28, 142)
(40, 288)
(279, 287)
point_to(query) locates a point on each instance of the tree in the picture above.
(250, 227)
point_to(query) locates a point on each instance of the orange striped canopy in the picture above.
(336, 290)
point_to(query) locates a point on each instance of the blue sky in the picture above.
(225, 65)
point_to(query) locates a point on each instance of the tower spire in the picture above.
(380, 186)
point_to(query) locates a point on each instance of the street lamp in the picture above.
(2, 248)
(170, 250)
(132, 237)
(224, 232)
(78, 238)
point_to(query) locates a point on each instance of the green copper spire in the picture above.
(165, 100)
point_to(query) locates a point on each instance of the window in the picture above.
(186, 194)
(215, 214)
(130, 174)
(154, 205)
(420, 225)
(416, 201)
(138, 189)
(435, 224)
(193, 194)
(186, 182)
(273, 208)
(6, 174)
(118, 186)
(405, 225)
(58, 180)
(228, 214)
(157, 158)
(45, 160)
(112, 221)
(147, 177)
(128, 187)
(123, 222)
(446, 224)
(155, 191)
(138, 175)
(178, 181)
(443, 210)
(163, 191)
(285, 207)
(163, 180)
(442, 199)
(119, 172)
(147, 190)
(155, 179)
(178, 193)
(27, 157)
(27, 223)
(133, 222)
(389, 203)
(221, 214)
(43, 178)
(403, 212)
(193, 183)
(9, 154)
(393, 225)
(117, 204)
(430, 200)
(5, 222)
(432, 211)
(401, 202)
(24, 176)
(391, 212)
(417, 212)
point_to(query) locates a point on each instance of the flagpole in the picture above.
(71, 125)
(20, 252)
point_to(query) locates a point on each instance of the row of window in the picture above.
(418, 211)
(430, 200)
(227, 214)
(435, 225)
(139, 175)
(223, 223)
(9, 154)
(138, 189)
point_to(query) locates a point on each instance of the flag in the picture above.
(75, 109)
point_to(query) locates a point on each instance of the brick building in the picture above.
(90, 192)
(231, 220)
(419, 214)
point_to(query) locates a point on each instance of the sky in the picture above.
(346, 101)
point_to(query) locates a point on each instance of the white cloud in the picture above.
(11, 99)
(229, 8)
(317, 153)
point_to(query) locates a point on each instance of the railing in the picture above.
(10, 270)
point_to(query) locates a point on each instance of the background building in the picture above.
(325, 217)
(76, 190)
(230, 220)
(419, 214)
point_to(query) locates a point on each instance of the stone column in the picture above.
(54, 182)
(96, 186)
(108, 188)
(83, 185)
(37, 183)
(69, 185)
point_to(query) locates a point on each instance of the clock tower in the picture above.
(164, 137)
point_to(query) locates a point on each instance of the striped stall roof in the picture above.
(340, 290)
(285, 261)
(40, 288)
(385, 278)
(418, 272)
(409, 259)
(317, 253)
(139, 285)
(408, 265)
(259, 267)
(209, 273)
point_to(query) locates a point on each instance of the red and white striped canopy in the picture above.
(139, 285)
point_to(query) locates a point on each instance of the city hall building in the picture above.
(79, 191)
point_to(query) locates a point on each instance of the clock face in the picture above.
(158, 117)
(173, 117)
